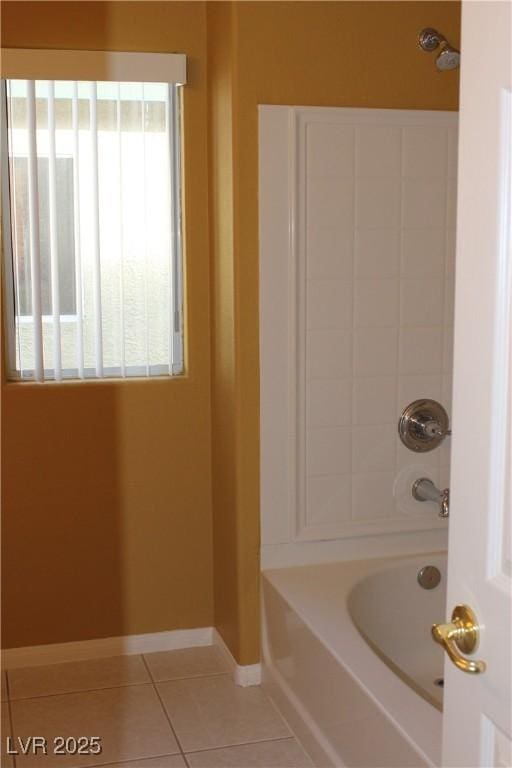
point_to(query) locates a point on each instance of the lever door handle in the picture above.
(459, 637)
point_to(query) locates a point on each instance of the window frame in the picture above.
(95, 66)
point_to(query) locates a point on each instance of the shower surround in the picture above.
(357, 243)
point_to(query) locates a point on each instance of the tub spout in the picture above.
(425, 490)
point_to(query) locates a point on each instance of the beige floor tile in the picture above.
(210, 712)
(129, 721)
(189, 662)
(6, 760)
(75, 676)
(4, 687)
(285, 753)
(167, 761)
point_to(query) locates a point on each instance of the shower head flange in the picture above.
(430, 38)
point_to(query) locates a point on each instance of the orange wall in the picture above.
(358, 54)
(106, 520)
(224, 378)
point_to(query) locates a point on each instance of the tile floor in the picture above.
(160, 710)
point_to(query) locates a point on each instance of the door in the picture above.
(477, 710)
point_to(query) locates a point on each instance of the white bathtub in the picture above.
(348, 659)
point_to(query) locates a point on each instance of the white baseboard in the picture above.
(57, 653)
(242, 675)
(82, 650)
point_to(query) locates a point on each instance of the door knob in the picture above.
(460, 636)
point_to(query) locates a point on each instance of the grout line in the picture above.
(9, 708)
(190, 677)
(355, 192)
(155, 688)
(447, 186)
(242, 744)
(400, 305)
(80, 690)
(277, 711)
(131, 760)
(151, 681)
(184, 677)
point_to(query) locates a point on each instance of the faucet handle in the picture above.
(423, 425)
(434, 429)
(444, 503)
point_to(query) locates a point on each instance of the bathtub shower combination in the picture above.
(357, 220)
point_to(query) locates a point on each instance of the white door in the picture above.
(477, 711)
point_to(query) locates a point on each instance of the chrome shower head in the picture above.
(449, 58)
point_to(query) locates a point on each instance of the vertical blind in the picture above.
(93, 181)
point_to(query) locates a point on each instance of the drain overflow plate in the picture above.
(429, 577)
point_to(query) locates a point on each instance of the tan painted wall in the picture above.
(107, 486)
(358, 54)
(224, 378)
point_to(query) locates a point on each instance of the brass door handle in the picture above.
(460, 636)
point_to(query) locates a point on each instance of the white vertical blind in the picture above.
(76, 221)
(54, 247)
(173, 120)
(95, 194)
(33, 218)
(95, 229)
(145, 211)
(121, 235)
(10, 274)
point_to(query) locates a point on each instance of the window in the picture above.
(93, 228)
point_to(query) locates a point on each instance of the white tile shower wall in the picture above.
(357, 250)
(376, 233)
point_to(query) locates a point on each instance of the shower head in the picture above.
(449, 57)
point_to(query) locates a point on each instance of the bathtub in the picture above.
(349, 661)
